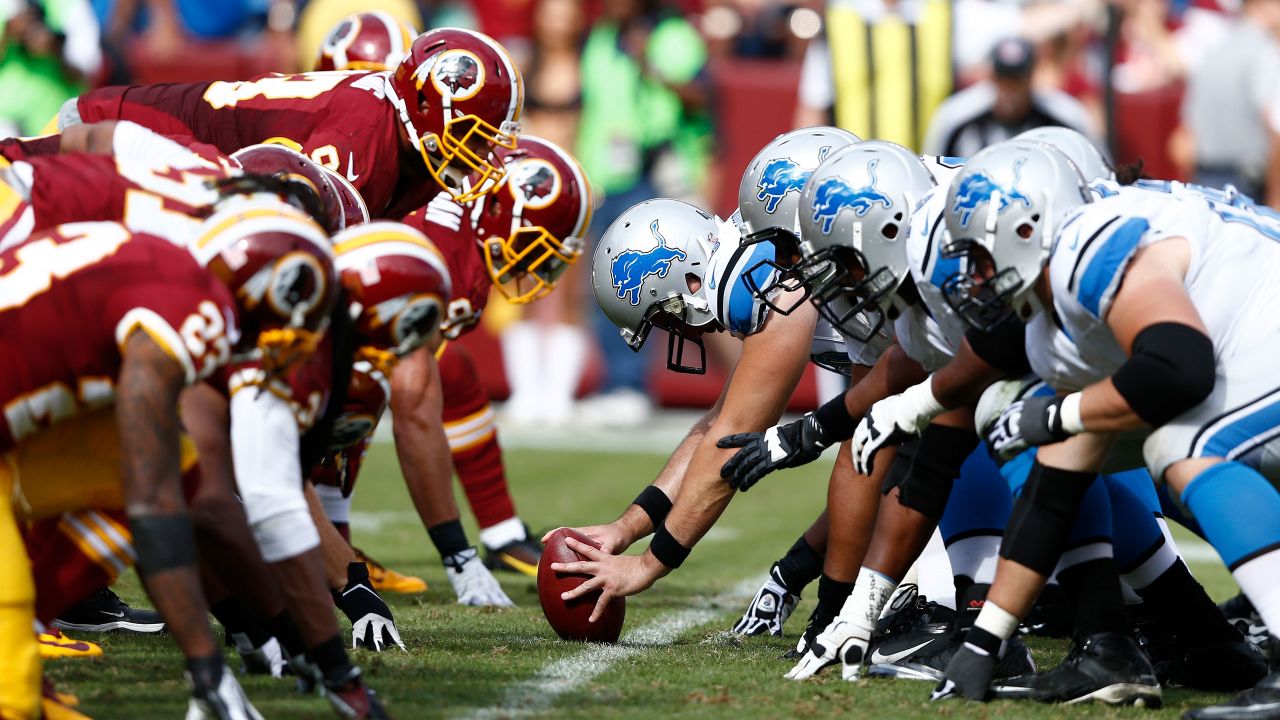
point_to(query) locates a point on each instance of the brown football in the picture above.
(569, 618)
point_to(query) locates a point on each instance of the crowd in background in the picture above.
(638, 89)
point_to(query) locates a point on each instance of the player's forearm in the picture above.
(961, 382)
(1103, 409)
(635, 520)
(423, 451)
(892, 373)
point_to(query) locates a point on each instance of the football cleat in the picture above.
(1107, 667)
(54, 645)
(519, 556)
(104, 611)
(1260, 702)
(351, 698)
(923, 654)
(769, 609)
(1240, 613)
(385, 579)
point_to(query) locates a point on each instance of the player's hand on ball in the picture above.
(612, 537)
(782, 446)
(842, 642)
(473, 583)
(613, 575)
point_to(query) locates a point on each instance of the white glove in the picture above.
(768, 610)
(265, 660)
(375, 633)
(892, 420)
(225, 702)
(842, 642)
(473, 583)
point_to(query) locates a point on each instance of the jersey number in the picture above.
(40, 262)
(282, 87)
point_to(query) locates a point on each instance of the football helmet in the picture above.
(1002, 212)
(1089, 160)
(372, 40)
(768, 202)
(459, 96)
(338, 207)
(855, 213)
(277, 263)
(530, 230)
(398, 285)
(648, 272)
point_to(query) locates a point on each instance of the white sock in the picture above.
(508, 531)
(336, 507)
(1257, 578)
(871, 591)
(1153, 567)
(975, 557)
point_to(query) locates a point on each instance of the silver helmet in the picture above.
(855, 214)
(648, 272)
(769, 200)
(1089, 160)
(1002, 212)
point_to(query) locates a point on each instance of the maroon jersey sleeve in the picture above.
(15, 149)
(448, 225)
(305, 388)
(71, 298)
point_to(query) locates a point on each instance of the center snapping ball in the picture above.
(570, 618)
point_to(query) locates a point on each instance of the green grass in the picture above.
(462, 659)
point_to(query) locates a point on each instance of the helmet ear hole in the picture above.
(693, 282)
(890, 230)
(1025, 230)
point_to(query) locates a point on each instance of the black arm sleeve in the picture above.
(1003, 347)
(1171, 370)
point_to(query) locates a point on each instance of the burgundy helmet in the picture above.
(278, 265)
(459, 96)
(373, 40)
(530, 230)
(339, 210)
(399, 287)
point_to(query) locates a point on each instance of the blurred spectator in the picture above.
(1232, 106)
(883, 66)
(753, 28)
(997, 109)
(544, 351)
(645, 131)
(1149, 56)
(48, 52)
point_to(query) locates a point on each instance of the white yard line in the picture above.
(537, 694)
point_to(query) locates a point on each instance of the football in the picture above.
(570, 618)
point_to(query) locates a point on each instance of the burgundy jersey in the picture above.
(367, 399)
(305, 388)
(341, 120)
(69, 299)
(448, 225)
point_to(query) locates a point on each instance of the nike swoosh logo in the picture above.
(877, 658)
(351, 166)
(115, 614)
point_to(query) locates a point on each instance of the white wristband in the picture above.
(1070, 414)
(923, 405)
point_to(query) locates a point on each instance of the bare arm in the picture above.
(960, 382)
(894, 372)
(417, 406)
(147, 415)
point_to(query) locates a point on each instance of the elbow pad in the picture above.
(1170, 371)
(1003, 347)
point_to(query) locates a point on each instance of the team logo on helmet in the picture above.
(781, 176)
(457, 74)
(340, 33)
(534, 181)
(417, 320)
(979, 188)
(629, 269)
(296, 284)
(834, 195)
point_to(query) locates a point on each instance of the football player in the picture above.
(93, 417)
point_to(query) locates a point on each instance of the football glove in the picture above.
(781, 446)
(891, 421)
(215, 695)
(472, 582)
(841, 642)
(769, 609)
(1029, 422)
(372, 625)
(968, 676)
(265, 660)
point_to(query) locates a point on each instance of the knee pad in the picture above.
(926, 470)
(1044, 515)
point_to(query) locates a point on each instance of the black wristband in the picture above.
(655, 503)
(448, 537)
(667, 549)
(163, 542)
(834, 422)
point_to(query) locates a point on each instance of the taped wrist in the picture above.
(835, 425)
(1043, 515)
(1170, 371)
(933, 464)
(666, 549)
(448, 537)
(655, 503)
(1002, 347)
(163, 542)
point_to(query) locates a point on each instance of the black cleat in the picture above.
(351, 698)
(923, 654)
(1260, 702)
(1240, 613)
(104, 611)
(1107, 667)
(519, 556)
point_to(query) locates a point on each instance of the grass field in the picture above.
(469, 663)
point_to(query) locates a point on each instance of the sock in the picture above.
(799, 567)
(504, 533)
(970, 599)
(1180, 603)
(239, 619)
(870, 593)
(1093, 589)
(1137, 540)
(1239, 512)
(448, 537)
(331, 657)
(286, 633)
(522, 363)
(473, 439)
(336, 507)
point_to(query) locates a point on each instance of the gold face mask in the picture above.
(465, 149)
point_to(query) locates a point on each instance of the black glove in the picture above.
(968, 676)
(1029, 422)
(781, 446)
(372, 625)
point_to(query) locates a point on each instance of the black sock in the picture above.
(236, 616)
(1178, 602)
(970, 597)
(331, 657)
(831, 597)
(448, 537)
(1093, 589)
(286, 633)
(799, 567)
